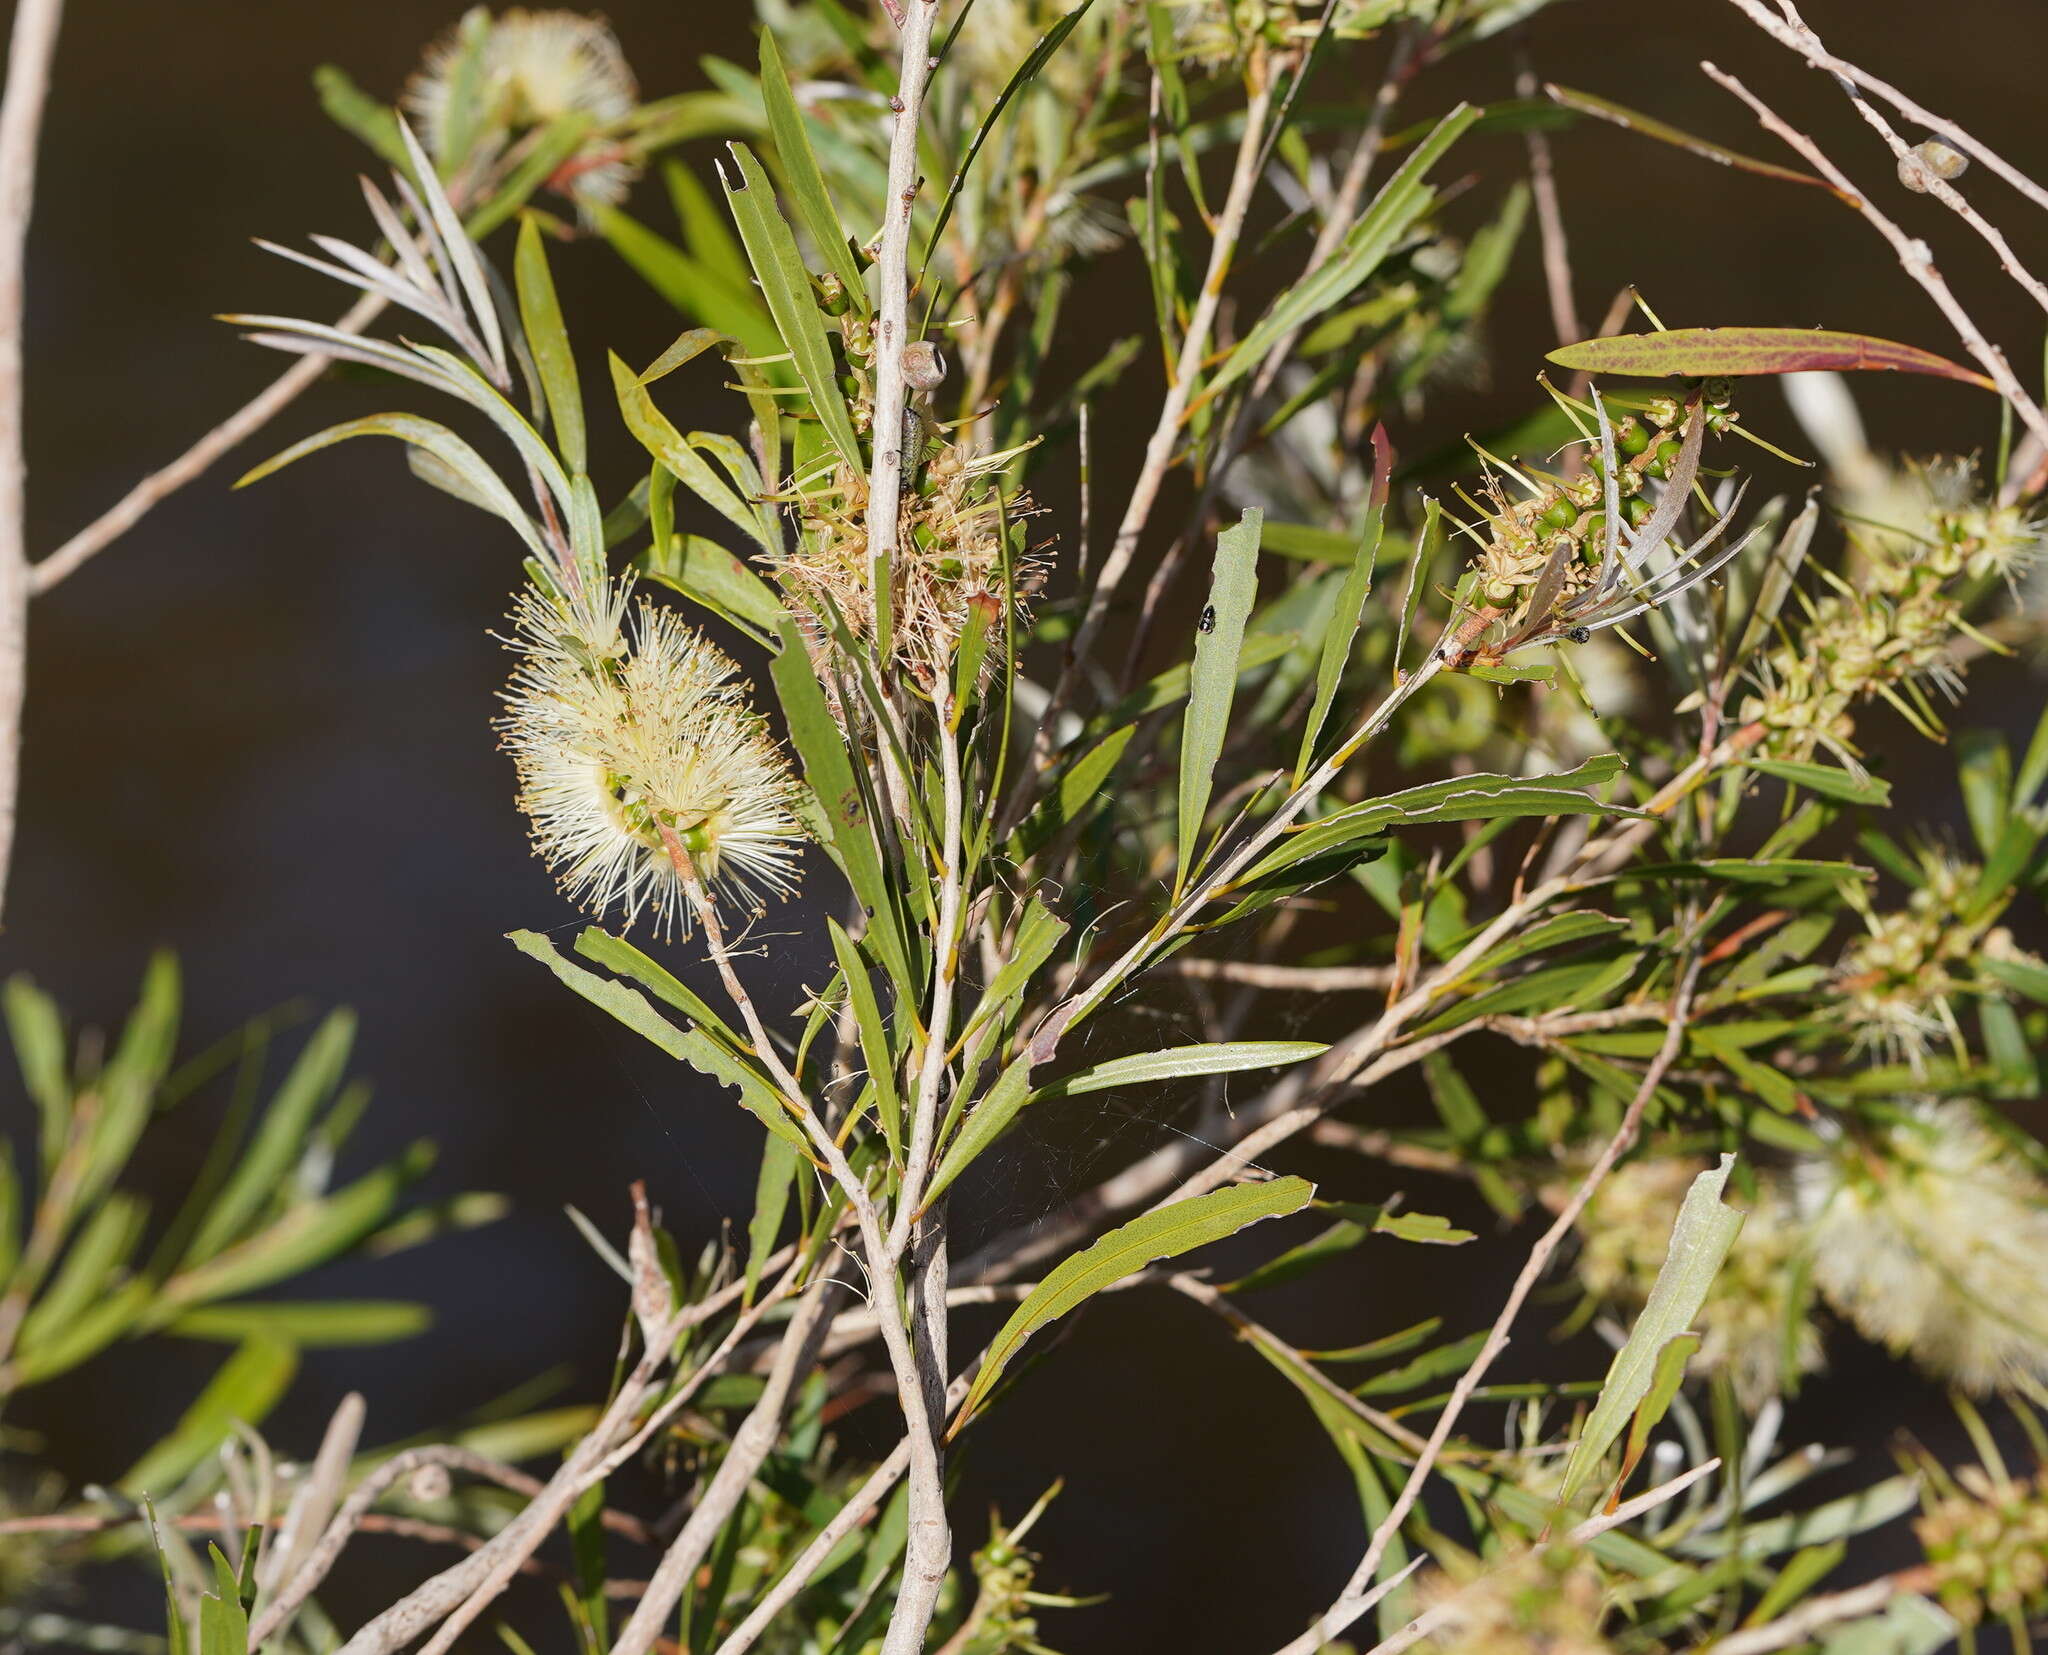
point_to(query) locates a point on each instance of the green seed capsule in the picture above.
(1559, 514)
(1631, 438)
(1637, 510)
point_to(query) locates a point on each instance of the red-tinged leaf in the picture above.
(1699, 352)
(1665, 133)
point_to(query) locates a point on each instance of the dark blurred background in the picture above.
(259, 734)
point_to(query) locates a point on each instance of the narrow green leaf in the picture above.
(1233, 587)
(1181, 1062)
(1697, 352)
(244, 1388)
(874, 1034)
(1038, 934)
(1025, 72)
(1700, 1240)
(352, 109)
(693, 286)
(987, 1121)
(706, 573)
(540, 314)
(482, 485)
(1403, 200)
(1340, 632)
(87, 1335)
(1080, 784)
(1665, 133)
(280, 1139)
(320, 1325)
(693, 1046)
(100, 1250)
(1427, 1228)
(780, 1164)
(617, 954)
(786, 285)
(223, 1622)
(807, 189)
(1667, 1377)
(828, 774)
(36, 1028)
(308, 1234)
(1828, 780)
(1166, 1233)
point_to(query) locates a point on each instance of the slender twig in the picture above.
(750, 1446)
(1337, 223)
(1914, 255)
(1531, 1272)
(427, 1603)
(1557, 251)
(1800, 1624)
(1165, 438)
(31, 47)
(1793, 31)
(892, 285)
(1591, 1529)
(1308, 979)
(250, 418)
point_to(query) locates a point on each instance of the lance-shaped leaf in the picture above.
(1233, 585)
(1700, 1240)
(245, 1388)
(1341, 630)
(540, 314)
(1734, 352)
(482, 486)
(786, 285)
(691, 1046)
(1393, 212)
(1634, 120)
(1167, 1233)
(1181, 1062)
(807, 189)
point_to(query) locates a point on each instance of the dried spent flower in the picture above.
(1752, 1329)
(632, 738)
(946, 572)
(489, 79)
(1931, 1242)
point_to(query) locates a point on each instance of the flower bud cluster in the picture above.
(1987, 1541)
(1894, 982)
(1897, 623)
(1524, 534)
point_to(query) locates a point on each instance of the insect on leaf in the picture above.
(1233, 585)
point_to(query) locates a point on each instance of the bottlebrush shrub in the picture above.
(1560, 758)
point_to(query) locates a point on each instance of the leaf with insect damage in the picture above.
(1700, 352)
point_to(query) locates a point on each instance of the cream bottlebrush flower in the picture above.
(531, 68)
(1743, 1326)
(638, 734)
(1932, 1245)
